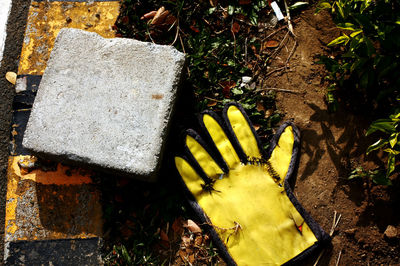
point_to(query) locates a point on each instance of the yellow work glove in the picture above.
(244, 195)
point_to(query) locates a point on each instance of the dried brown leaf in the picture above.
(149, 15)
(235, 27)
(244, 2)
(268, 113)
(193, 227)
(161, 18)
(213, 3)
(157, 16)
(191, 258)
(126, 232)
(260, 107)
(199, 240)
(211, 103)
(177, 226)
(170, 19)
(182, 254)
(164, 236)
(271, 44)
(227, 85)
(11, 77)
(186, 241)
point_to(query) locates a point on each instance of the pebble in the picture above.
(390, 232)
(246, 79)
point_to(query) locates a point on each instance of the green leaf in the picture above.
(358, 64)
(354, 176)
(356, 173)
(370, 46)
(298, 5)
(391, 164)
(384, 125)
(211, 10)
(254, 18)
(248, 106)
(379, 178)
(393, 139)
(346, 26)
(340, 9)
(323, 5)
(364, 80)
(365, 4)
(354, 34)
(237, 91)
(342, 39)
(391, 151)
(377, 145)
(231, 10)
(125, 255)
(230, 62)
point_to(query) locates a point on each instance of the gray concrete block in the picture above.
(105, 102)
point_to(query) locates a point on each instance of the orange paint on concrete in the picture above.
(46, 19)
(64, 175)
(50, 205)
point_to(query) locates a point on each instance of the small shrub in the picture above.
(368, 66)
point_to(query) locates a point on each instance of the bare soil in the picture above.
(332, 145)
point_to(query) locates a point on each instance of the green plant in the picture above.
(389, 144)
(370, 42)
(376, 176)
(367, 65)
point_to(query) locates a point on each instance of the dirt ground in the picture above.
(332, 145)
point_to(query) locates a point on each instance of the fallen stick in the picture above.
(280, 46)
(277, 89)
(275, 70)
(338, 259)
(279, 29)
(335, 222)
(291, 52)
(290, 26)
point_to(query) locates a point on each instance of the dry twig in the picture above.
(290, 26)
(338, 259)
(236, 228)
(335, 222)
(277, 89)
(177, 31)
(280, 45)
(291, 53)
(275, 70)
(279, 29)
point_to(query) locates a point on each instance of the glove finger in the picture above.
(282, 150)
(192, 180)
(220, 139)
(244, 132)
(203, 158)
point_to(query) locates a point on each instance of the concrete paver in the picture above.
(105, 102)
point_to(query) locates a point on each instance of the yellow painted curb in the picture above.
(46, 19)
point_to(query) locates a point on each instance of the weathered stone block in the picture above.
(105, 102)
